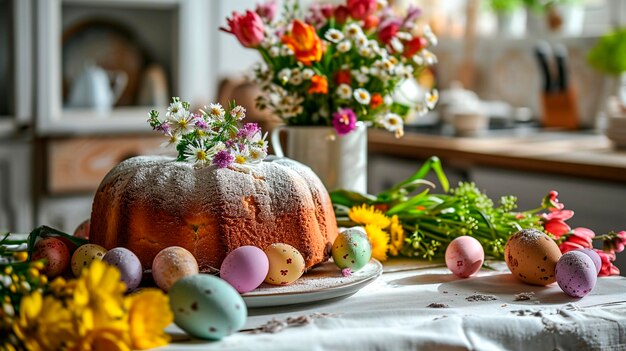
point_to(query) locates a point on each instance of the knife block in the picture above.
(560, 110)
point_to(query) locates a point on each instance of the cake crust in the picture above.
(148, 203)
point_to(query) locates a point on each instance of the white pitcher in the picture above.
(339, 161)
(93, 89)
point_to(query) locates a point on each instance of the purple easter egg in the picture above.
(576, 273)
(128, 264)
(245, 268)
(594, 257)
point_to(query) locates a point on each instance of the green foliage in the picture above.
(609, 53)
(503, 6)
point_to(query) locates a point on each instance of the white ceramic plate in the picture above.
(322, 283)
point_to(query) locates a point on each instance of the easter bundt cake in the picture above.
(148, 203)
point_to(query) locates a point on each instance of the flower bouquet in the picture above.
(335, 65)
(405, 221)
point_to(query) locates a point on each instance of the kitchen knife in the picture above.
(542, 52)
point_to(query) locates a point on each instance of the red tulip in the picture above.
(248, 28)
(359, 9)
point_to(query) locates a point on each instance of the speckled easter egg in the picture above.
(597, 261)
(82, 231)
(128, 264)
(207, 307)
(84, 255)
(531, 256)
(464, 256)
(351, 249)
(55, 252)
(576, 273)
(171, 264)
(286, 264)
(245, 268)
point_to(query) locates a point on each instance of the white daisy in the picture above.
(429, 57)
(182, 122)
(216, 111)
(307, 73)
(404, 36)
(274, 51)
(391, 121)
(432, 98)
(240, 154)
(333, 35)
(344, 91)
(430, 36)
(397, 45)
(362, 96)
(286, 51)
(388, 100)
(296, 77)
(172, 141)
(197, 154)
(256, 155)
(421, 109)
(284, 75)
(387, 65)
(174, 109)
(360, 77)
(419, 60)
(365, 51)
(239, 112)
(361, 40)
(344, 46)
(259, 141)
(353, 30)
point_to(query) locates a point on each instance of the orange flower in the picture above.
(319, 85)
(304, 42)
(376, 100)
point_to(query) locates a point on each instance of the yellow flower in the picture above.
(103, 339)
(368, 215)
(100, 290)
(379, 240)
(148, 315)
(43, 323)
(396, 236)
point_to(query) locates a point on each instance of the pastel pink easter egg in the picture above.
(245, 268)
(464, 256)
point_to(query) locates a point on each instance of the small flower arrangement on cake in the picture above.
(337, 64)
(212, 136)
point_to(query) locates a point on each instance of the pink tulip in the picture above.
(267, 10)
(359, 9)
(607, 259)
(248, 28)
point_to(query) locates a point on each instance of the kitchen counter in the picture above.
(582, 154)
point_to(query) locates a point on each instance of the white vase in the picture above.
(339, 161)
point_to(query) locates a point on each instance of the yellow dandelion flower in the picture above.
(99, 289)
(379, 240)
(396, 236)
(148, 315)
(43, 323)
(368, 215)
(103, 339)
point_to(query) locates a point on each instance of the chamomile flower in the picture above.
(432, 98)
(172, 140)
(362, 96)
(344, 91)
(353, 30)
(216, 111)
(197, 154)
(274, 51)
(360, 77)
(175, 108)
(344, 46)
(429, 57)
(240, 155)
(365, 51)
(419, 60)
(333, 35)
(307, 73)
(396, 44)
(256, 154)
(296, 77)
(387, 100)
(404, 36)
(430, 36)
(239, 112)
(182, 122)
(391, 121)
(284, 75)
(361, 40)
(286, 51)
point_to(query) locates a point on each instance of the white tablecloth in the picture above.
(392, 314)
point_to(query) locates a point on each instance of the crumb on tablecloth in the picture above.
(524, 296)
(481, 297)
(437, 305)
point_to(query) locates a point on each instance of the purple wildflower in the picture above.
(201, 123)
(248, 130)
(267, 10)
(344, 121)
(412, 14)
(223, 159)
